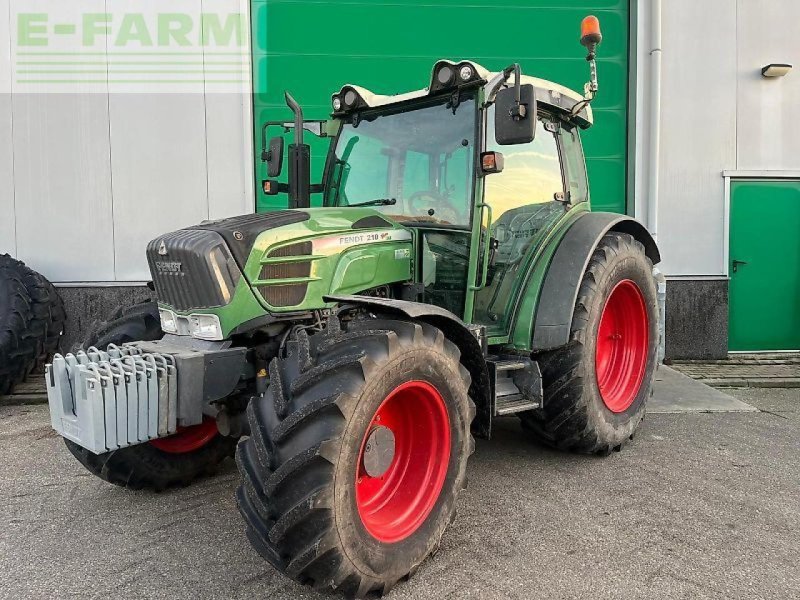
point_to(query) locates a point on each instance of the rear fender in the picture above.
(548, 326)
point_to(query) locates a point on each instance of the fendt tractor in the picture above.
(348, 354)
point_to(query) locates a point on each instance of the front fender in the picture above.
(455, 330)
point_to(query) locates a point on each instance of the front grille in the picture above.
(289, 294)
(192, 269)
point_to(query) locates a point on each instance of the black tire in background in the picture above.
(301, 464)
(576, 416)
(145, 465)
(46, 309)
(18, 344)
(49, 316)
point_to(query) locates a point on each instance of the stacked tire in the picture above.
(31, 322)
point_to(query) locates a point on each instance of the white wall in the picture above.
(88, 177)
(718, 113)
(8, 237)
(767, 127)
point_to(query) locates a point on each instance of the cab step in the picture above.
(516, 384)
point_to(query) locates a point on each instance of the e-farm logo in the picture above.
(122, 50)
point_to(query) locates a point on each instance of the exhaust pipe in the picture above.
(299, 161)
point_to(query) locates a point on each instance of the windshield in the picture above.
(415, 165)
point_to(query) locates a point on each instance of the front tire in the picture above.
(596, 387)
(357, 454)
(174, 461)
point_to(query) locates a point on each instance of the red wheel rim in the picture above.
(188, 439)
(622, 345)
(395, 503)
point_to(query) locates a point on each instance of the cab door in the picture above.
(528, 198)
(445, 251)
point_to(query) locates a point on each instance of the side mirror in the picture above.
(515, 123)
(274, 157)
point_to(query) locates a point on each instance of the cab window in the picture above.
(419, 161)
(527, 199)
(571, 149)
(532, 172)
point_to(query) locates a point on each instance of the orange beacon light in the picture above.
(590, 32)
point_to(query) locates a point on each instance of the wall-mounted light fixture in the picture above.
(775, 70)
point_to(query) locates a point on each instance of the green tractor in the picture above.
(348, 353)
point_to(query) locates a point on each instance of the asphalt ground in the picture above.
(698, 506)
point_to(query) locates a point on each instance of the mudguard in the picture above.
(559, 291)
(470, 342)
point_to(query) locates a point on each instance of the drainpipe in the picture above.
(654, 125)
(654, 129)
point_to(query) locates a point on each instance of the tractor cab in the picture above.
(479, 165)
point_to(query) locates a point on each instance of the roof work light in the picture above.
(447, 74)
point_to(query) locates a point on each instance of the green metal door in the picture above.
(312, 48)
(764, 265)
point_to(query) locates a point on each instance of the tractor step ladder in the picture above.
(517, 384)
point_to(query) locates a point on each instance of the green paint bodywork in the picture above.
(343, 261)
(358, 260)
(350, 261)
(527, 288)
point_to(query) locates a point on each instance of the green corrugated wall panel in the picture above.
(313, 47)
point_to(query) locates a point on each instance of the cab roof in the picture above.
(556, 97)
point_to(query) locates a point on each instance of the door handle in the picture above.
(736, 264)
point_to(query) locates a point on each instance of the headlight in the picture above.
(205, 327)
(337, 104)
(168, 322)
(465, 73)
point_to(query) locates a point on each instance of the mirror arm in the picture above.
(519, 111)
(503, 77)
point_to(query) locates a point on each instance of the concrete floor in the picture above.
(699, 506)
(674, 392)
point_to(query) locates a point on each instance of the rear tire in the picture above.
(596, 387)
(174, 461)
(312, 501)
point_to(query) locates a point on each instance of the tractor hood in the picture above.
(330, 251)
(277, 262)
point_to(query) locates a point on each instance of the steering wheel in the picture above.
(443, 209)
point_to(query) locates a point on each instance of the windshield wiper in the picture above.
(376, 202)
